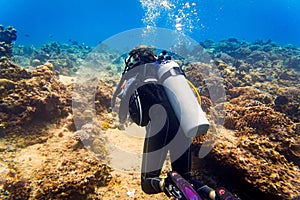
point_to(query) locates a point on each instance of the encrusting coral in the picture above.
(41, 158)
(262, 148)
(26, 95)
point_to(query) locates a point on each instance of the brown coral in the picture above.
(91, 100)
(14, 186)
(27, 95)
(253, 109)
(263, 143)
(263, 147)
(73, 179)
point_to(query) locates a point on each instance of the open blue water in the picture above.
(92, 21)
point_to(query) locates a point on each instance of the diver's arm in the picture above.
(125, 97)
(117, 92)
(123, 110)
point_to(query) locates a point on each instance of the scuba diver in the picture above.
(156, 94)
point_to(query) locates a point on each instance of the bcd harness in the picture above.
(140, 76)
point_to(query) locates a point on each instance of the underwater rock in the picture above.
(253, 109)
(287, 101)
(242, 53)
(35, 62)
(57, 168)
(294, 62)
(245, 64)
(13, 185)
(262, 150)
(226, 58)
(7, 34)
(84, 102)
(28, 95)
(205, 79)
(13, 72)
(206, 104)
(103, 98)
(73, 178)
(281, 100)
(255, 56)
(98, 147)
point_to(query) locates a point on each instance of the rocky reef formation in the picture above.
(52, 152)
(45, 172)
(7, 37)
(71, 178)
(263, 148)
(28, 95)
(65, 58)
(84, 99)
(68, 57)
(42, 156)
(259, 149)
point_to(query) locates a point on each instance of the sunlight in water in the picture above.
(180, 14)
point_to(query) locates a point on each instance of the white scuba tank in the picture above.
(187, 109)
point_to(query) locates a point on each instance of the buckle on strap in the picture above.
(174, 71)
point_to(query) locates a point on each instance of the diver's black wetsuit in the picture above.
(163, 134)
(163, 131)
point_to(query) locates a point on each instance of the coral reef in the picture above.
(26, 95)
(72, 179)
(262, 150)
(49, 152)
(91, 136)
(13, 185)
(41, 155)
(244, 64)
(260, 145)
(83, 101)
(65, 58)
(58, 168)
(7, 37)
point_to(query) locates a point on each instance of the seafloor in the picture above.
(43, 156)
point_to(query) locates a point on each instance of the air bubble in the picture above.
(180, 14)
(179, 27)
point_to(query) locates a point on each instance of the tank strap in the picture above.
(172, 72)
(139, 106)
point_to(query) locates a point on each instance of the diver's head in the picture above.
(140, 55)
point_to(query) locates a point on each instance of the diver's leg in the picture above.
(153, 158)
(154, 154)
(180, 152)
(181, 162)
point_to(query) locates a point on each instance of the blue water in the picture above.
(92, 21)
